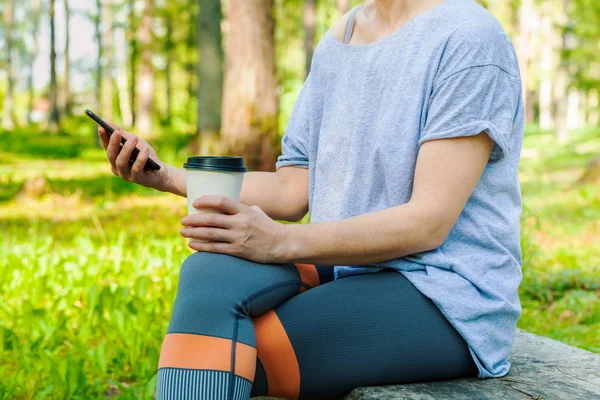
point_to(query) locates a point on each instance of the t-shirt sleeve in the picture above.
(294, 145)
(475, 100)
(477, 89)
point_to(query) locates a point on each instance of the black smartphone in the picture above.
(150, 164)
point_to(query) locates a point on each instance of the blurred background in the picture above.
(89, 263)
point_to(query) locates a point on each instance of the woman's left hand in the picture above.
(241, 231)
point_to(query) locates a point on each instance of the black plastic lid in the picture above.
(216, 163)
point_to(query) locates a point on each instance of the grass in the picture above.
(88, 270)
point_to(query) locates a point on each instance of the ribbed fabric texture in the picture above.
(187, 384)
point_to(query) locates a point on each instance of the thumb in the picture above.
(259, 210)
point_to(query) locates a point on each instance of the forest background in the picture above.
(89, 263)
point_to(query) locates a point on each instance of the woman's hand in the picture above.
(119, 160)
(242, 231)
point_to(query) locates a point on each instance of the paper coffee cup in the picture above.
(213, 175)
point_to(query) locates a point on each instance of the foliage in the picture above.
(88, 271)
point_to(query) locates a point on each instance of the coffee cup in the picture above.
(213, 175)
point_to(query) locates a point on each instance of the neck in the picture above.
(396, 12)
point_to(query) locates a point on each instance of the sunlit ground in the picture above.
(89, 263)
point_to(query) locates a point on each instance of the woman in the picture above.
(403, 144)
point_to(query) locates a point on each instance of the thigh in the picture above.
(371, 329)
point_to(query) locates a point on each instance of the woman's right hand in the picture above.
(119, 160)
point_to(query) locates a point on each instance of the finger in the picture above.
(114, 147)
(204, 219)
(210, 234)
(220, 203)
(213, 247)
(140, 161)
(104, 138)
(122, 161)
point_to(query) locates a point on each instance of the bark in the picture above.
(122, 79)
(310, 11)
(523, 47)
(169, 84)
(98, 34)
(133, 58)
(593, 103)
(54, 113)
(547, 68)
(8, 121)
(250, 100)
(343, 6)
(67, 83)
(192, 64)
(107, 86)
(209, 74)
(145, 87)
(34, 50)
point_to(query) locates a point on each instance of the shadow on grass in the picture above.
(90, 188)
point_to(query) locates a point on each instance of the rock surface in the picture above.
(542, 369)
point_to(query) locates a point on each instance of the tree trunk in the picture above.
(547, 68)
(523, 45)
(250, 92)
(145, 88)
(343, 6)
(122, 80)
(133, 57)
(8, 121)
(107, 86)
(563, 99)
(593, 104)
(210, 74)
(98, 34)
(34, 50)
(169, 84)
(54, 113)
(310, 11)
(191, 65)
(67, 83)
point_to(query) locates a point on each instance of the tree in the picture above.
(133, 58)
(32, 55)
(98, 34)
(105, 52)
(210, 73)
(310, 11)
(54, 113)
(250, 101)
(8, 121)
(145, 89)
(67, 78)
(169, 47)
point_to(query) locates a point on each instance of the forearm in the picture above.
(365, 239)
(274, 195)
(269, 190)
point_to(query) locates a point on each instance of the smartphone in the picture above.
(150, 164)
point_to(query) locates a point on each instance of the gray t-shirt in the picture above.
(357, 126)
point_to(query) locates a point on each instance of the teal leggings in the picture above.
(240, 329)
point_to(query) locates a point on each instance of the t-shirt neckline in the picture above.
(355, 47)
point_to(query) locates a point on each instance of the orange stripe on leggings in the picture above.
(277, 357)
(184, 350)
(308, 274)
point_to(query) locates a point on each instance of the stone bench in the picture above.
(542, 369)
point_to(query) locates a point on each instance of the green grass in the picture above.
(88, 271)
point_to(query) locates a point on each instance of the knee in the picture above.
(206, 270)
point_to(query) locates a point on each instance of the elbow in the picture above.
(296, 216)
(434, 230)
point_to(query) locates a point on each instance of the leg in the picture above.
(209, 351)
(372, 329)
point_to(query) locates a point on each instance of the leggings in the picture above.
(241, 329)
